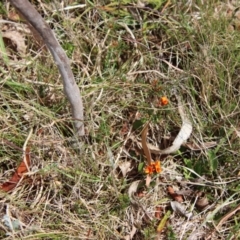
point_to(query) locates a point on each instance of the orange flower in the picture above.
(158, 167)
(154, 167)
(149, 169)
(164, 101)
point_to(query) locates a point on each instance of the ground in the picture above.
(132, 61)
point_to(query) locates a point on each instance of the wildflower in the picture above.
(149, 169)
(164, 101)
(154, 167)
(158, 167)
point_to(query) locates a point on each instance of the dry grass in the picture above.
(124, 59)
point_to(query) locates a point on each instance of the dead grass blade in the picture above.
(227, 216)
(163, 222)
(222, 221)
(144, 144)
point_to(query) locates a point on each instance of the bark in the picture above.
(70, 87)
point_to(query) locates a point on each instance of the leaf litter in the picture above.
(18, 174)
(15, 41)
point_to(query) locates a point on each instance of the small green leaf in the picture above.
(3, 51)
(138, 124)
(213, 162)
(163, 222)
(140, 166)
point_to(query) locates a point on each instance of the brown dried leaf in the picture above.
(125, 129)
(17, 40)
(14, 16)
(133, 188)
(22, 168)
(158, 212)
(174, 195)
(202, 201)
(125, 167)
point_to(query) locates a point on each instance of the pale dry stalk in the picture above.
(71, 89)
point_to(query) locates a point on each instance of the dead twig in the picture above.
(222, 221)
(227, 216)
(184, 133)
(144, 144)
(71, 89)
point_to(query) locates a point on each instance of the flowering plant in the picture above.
(154, 167)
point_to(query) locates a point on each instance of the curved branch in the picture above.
(184, 133)
(70, 87)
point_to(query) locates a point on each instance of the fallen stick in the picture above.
(71, 89)
(184, 133)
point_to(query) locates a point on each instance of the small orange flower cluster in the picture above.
(154, 167)
(164, 101)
